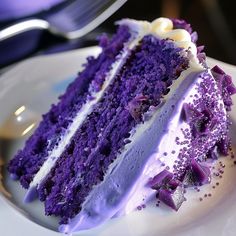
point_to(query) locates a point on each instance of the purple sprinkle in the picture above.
(139, 208)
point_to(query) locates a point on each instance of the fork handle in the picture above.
(21, 27)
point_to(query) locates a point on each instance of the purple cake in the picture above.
(142, 120)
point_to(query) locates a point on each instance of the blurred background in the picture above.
(214, 20)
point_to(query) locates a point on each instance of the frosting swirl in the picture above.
(162, 28)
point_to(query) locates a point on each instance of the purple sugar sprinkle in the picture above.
(139, 208)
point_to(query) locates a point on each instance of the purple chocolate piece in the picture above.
(196, 174)
(158, 181)
(182, 24)
(169, 189)
(191, 114)
(223, 145)
(225, 85)
(213, 153)
(172, 198)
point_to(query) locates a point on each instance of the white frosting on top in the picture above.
(162, 28)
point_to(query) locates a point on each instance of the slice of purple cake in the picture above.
(141, 120)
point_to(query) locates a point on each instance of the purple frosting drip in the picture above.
(196, 174)
(169, 190)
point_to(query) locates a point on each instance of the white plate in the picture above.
(36, 83)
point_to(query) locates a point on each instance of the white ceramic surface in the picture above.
(35, 84)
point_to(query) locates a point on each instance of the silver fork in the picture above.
(73, 21)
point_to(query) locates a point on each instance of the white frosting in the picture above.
(162, 28)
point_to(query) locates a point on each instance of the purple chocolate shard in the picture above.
(172, 198)
(213, 153)
(201, 123)
(225, 85)
(137, 105)
(223, 146)
(201, 55)
(169, 190)
(182, 24)
(196, 174)
(160, 180)
(190, 114)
